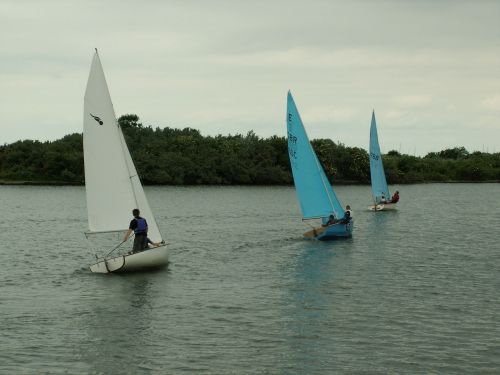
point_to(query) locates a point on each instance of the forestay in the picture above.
(379, 184)
(316, 196)
(112, 185)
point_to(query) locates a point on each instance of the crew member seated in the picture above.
(331, 221)
(347, 215)
(395, 197)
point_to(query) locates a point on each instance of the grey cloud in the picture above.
(225, 66)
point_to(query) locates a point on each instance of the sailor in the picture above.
(139, 226)
(395, 197)
(331, 221)
(347, 215)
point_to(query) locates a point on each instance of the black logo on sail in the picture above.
(98, 119)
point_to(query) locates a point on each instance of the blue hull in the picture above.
(332, 232)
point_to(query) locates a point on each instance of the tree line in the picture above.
(168, 156)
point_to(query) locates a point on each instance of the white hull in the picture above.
(148, 259)
(383, 207)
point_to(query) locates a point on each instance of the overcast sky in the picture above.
(430, 69)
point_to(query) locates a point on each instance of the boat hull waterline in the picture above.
(145, 260)
(331, 232)
(383, 207)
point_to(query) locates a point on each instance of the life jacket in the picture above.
(347, 217)
(395, 198)
(142, 226)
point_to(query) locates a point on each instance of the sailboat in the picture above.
(380, 190)
(315, 193)
(112, 185)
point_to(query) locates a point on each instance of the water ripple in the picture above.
(413, 292)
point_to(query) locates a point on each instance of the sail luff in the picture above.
(380, 190)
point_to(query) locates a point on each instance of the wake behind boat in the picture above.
(315, 193)
(382, 200)
(112, 184)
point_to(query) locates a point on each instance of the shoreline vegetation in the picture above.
(168, 156)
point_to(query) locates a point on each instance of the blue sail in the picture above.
(316, 196)
(380, 190)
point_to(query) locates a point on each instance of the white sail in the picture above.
(112, 185)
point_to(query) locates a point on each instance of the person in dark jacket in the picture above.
(139, 226)
(347, 215)
(395, 197)
(331, 221)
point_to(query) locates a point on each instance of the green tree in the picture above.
(174, 156)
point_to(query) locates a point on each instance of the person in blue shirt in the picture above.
(139, 226)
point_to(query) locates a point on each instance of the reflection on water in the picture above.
(119, 323)
(308, 302)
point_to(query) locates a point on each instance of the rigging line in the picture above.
(124, 151)
(136, 175)
(309, 224)
(322, 180)
(121, 243)
(131, 176)
(152, 218)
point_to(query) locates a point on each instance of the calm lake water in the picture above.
(413, 292)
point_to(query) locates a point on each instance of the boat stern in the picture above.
(331, 232)
(145, 260)
(337, 231)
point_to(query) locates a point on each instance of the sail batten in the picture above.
(315, 194)
(380, 190)
(111, 183)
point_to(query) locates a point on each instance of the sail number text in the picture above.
(292, 145)
(292, 140)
